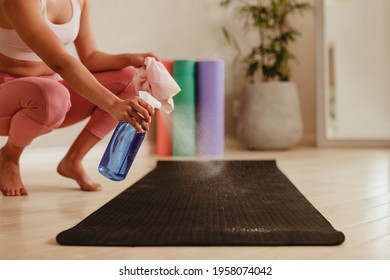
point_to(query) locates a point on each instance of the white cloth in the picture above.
(154, 78)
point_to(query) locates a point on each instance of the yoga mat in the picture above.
(206, 203)
(210, 96)
(164, 124)
(184, 123)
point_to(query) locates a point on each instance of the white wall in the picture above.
(359, 32)
(188, 29)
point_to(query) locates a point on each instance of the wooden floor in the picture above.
(350, 187)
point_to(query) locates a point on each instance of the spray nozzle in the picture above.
(146, 96)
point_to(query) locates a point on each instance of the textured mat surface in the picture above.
(216, 203)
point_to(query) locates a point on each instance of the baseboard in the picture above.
(308, 140)
(52, 155)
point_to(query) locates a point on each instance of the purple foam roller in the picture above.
(210, 94)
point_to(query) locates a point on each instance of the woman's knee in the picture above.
(126, 74)
(48, 102)
(119, 82)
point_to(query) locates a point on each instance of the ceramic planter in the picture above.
(271, 117)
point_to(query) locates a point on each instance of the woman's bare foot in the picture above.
(10, 181)
(74, 170)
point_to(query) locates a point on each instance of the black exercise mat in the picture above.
(206, 203)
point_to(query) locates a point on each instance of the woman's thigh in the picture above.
(40, 99)
(119, 82)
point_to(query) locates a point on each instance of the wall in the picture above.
(361, 67)
(187, 29)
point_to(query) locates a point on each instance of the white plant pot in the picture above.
(271, 116)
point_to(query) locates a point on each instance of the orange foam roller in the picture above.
(164, 124)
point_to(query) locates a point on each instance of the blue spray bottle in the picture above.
(123, 146)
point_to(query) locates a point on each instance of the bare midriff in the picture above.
(23, 68)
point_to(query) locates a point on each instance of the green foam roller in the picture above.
(184, 116)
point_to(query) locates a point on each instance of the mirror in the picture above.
(353, 43)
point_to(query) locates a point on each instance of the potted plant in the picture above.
(271, 113)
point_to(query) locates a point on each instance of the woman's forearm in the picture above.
(100, 61)
(134, 110)
(82, 81)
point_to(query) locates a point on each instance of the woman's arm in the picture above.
(27, 20)
(96, 60)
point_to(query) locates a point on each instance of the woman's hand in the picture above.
(135, 111)
(138, 59)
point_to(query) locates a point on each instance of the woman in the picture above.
(42, 87)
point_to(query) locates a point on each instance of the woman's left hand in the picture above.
(138, 59)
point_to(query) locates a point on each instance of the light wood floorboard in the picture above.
(350, 187)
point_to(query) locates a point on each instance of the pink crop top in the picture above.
(13, 46)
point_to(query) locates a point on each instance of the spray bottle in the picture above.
(123, 146)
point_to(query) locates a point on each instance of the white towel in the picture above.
(154, 78)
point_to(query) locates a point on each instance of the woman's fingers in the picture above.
(139, 114)
(139, 119)
(147, 106)
(135, 124)
(142, 108)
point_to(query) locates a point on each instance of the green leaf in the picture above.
(270, 57)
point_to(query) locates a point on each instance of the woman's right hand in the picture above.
(135, 111)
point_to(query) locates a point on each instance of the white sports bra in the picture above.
(13, 46)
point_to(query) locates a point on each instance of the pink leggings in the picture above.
(32, 106)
